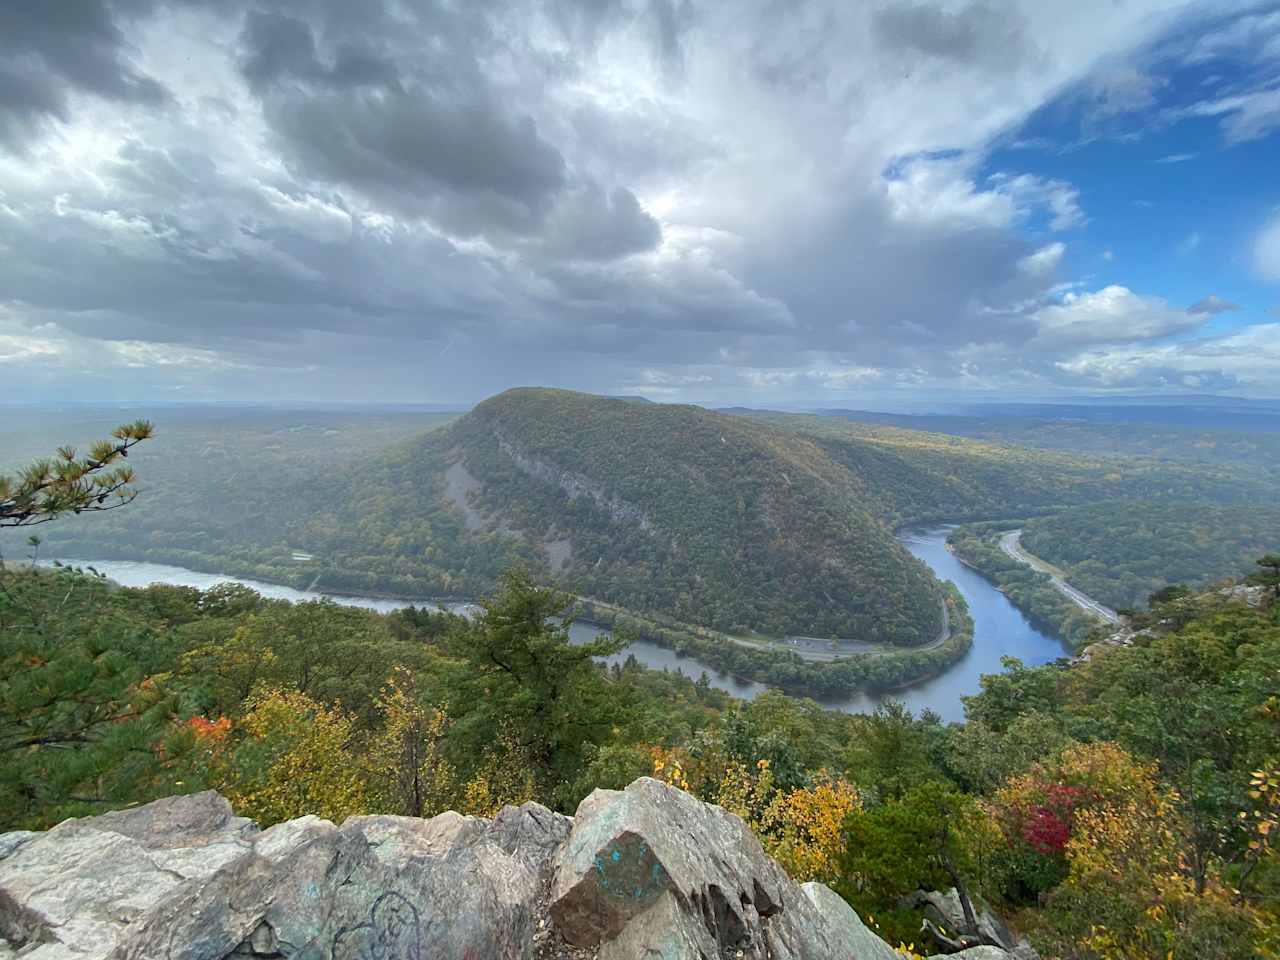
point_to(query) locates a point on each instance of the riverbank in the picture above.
(799, 670)
(1037, 593)
(1011, 545)
(997, 630)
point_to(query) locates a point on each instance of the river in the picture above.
(999, 629)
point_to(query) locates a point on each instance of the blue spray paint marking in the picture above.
(630, 870)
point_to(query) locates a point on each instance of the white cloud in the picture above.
(942, 193)
(1060, 199)
(19, 349)
(1246, 116)
(1114, 314)
(1248, 357)
(136, 354)
(1190, 244)
(34, 342)
(1266, 250)
(666, 378)
(1044, 261)
(1252, 37)
(311, 216)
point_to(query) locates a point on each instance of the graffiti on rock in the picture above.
(392, 931)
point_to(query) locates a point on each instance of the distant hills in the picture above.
(1212, 434)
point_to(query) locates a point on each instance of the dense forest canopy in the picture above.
(1121, 552)
(1123, 807)
(1246, 439)
(921, 475)
(661, 508)
(746, 523)
(705, 518)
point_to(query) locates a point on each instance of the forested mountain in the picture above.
(1123, 551)
(659, 508)
(762, 522)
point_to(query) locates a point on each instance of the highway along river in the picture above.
(999, 629)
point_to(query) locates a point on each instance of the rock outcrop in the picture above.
(648, 872)
(944, 918)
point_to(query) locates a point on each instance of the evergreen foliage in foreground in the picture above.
(1126, 807)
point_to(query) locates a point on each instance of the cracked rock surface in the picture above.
(647, 872)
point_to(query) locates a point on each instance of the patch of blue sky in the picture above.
(1177, 161)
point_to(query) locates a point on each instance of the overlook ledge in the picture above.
(649, 871)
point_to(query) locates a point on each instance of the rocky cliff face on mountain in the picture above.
(648, 872)
(657, 508)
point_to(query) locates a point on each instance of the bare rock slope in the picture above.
(648, 872)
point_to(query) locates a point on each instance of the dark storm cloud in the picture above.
(991, 33)
(591, 224)
(421, 143)
(51, 49)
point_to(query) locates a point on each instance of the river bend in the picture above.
(1000, 630)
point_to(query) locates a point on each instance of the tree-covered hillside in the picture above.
(768, 522)
(1249, 441)
(220, 488)
(666, 509)
(920, 476)
(1121, 552)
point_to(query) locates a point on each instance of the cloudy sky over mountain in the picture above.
(772, 201)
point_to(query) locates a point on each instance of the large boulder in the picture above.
(651, 871)
(944, 920)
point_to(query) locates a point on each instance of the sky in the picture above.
(756, 201)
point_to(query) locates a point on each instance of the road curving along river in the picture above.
(1000, 630)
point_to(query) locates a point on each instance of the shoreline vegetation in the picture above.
(772, 665)
(1032, 591)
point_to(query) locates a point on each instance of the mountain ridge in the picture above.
(660, 508)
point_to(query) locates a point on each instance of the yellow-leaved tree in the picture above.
(407, 770)
(1128, 893)
(294, 757)
(801, 827)
(504, 777)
